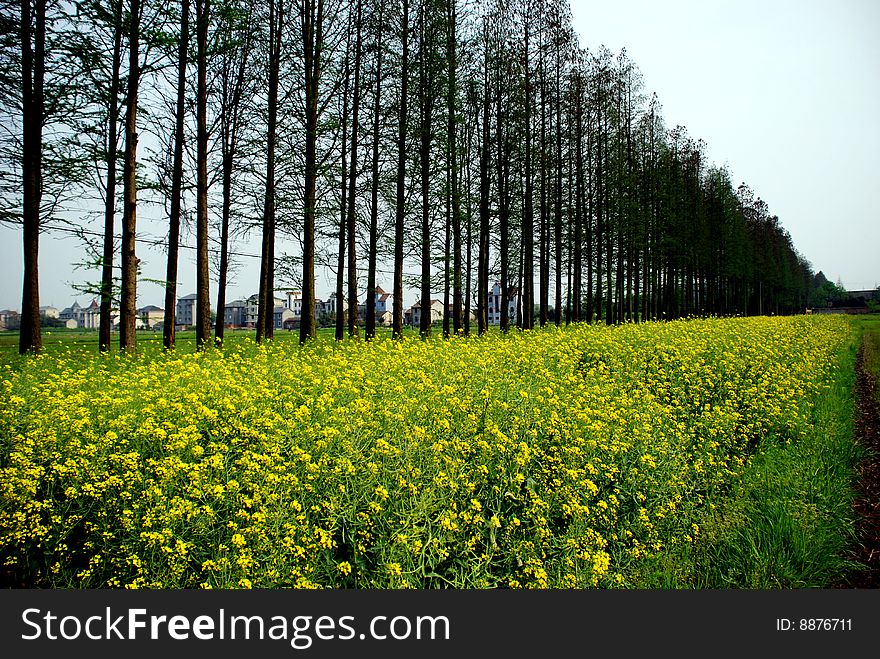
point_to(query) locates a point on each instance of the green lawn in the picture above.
(57, 340)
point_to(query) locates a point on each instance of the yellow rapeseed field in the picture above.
(553, 458)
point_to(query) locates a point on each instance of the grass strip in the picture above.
(789, 522)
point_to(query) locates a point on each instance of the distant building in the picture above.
(91, 316)
(383, 301)
(235, 313)
(413, 315)
(252, 309)
(863, 296)
(186, 310)
(9, 319)
(84, 317)
(294, 302)
(330, 306)
(494, 311)
(49, 312)
(282, 315)
(151, 316)
(73, 312)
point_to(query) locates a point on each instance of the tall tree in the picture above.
(528, 258)
(483, 249)
(452, 159)
(399, 210)
(426, 136)
(370, 315)
(203, 298)
(352, 177)
(343, 196)
(128, 303)
(105, 322)
(313, 45)
(170, 321)
(33, 62)
(266, 294)
(236, 33)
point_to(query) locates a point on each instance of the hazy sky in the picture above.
(785, 93)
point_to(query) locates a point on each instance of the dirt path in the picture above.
(867, 431)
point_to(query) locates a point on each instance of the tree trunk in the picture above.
(168, 327)
(370, 320)
(503, 208)
(229, 121)
(483, 250)
(454, 191)
(557, 215)
(343, 197)
(266, 295)
(577, 294)
(426, 98)
(528, 259)
(399, 215)
(33, 57)
(203, 300)
(105, 323)
(543, 229)
(352, 181)
(128, 305)
(313, 36)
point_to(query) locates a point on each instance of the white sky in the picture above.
(786, 93)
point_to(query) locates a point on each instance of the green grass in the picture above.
(790, 522)
(870, 326)
(84, 342)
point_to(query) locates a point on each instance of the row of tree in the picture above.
(476, 140)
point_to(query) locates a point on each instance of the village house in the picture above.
(82, 317)
(252, 309)
(281, 315)
(329, 307)
(9, 319)
(151, 316)
(234, 313)
(383, 301)
(413, 315)
(185, 311)
(494, 310)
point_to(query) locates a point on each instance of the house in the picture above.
(91, 316)
(72, 312)
(294, 302)
(282, 315)
(472, 317)
(186, 310)
(234, 313)
(413, 315)
(494, 311)
(151, 316)
(84, 317)
(9, 319)
(866, 296)
(49, 312)
(384, 301)
(330, 306)
(252, 308)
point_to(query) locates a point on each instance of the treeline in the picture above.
(476, 141)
